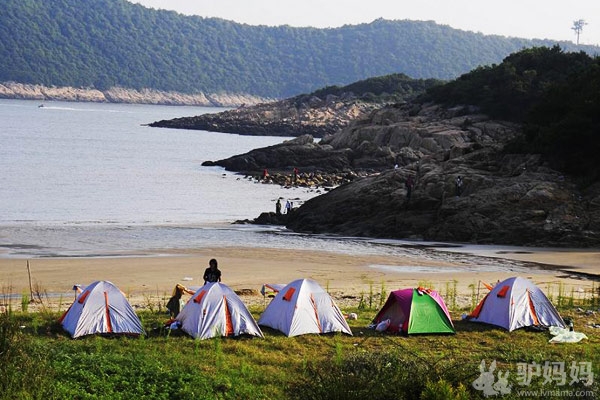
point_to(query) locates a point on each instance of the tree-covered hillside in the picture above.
(106, 43)
(554, 94)
(393, 87)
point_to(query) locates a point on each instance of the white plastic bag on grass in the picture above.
(562, 335)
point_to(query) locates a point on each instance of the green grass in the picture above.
(41, 361)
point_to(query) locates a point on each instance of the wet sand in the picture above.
(151, 278)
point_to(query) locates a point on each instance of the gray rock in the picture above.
(506, 198)
(290, 117)
(301, 152)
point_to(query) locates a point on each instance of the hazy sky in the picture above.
(541, 19)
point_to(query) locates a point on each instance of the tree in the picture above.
(578, 27)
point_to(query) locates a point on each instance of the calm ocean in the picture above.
(81, 179)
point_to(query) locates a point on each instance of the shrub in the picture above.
(442, 390)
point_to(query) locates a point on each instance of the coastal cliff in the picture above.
(13, 90)
(504, 198)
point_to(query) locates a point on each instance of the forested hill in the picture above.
(106, 43)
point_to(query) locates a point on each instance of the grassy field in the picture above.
(40, 361)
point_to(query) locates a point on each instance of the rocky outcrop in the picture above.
(388, 136)
(509, 199)
(13, 90)
(302, 152)
(291, 117)
(505, 198)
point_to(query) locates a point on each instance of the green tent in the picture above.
(415, 311)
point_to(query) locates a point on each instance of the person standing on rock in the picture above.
(458, 183)
(409, 187)
(212, 273)
(278, 207)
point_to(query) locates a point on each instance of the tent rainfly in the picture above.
(271, 289)
(101, 308)
(303, 307)
(516, 303)
(215, 310)
(415, 311)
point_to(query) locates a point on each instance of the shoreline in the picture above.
(116, 94)
(149, 279)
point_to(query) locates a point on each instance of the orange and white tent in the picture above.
(303, 307)
(101, 308)
(516, 303)
(215, 310)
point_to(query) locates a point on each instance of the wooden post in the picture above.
(31, 299)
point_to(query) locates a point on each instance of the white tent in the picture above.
(304, 307)
(101, 308)
(215, 310)
(516, 303)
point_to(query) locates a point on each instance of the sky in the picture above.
(530, 19)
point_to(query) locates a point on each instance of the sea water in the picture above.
(93, 177)
(81, 179)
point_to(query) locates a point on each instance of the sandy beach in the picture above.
(150, 279)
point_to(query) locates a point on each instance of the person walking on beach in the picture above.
(212, 273)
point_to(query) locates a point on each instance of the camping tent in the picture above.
(414, 311)
(304, 307)
(271, 289)
(215, 310)
(516, 303)
(101, 308)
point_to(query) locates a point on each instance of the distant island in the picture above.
(115, 45)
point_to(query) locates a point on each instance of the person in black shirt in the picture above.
(212, 273)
